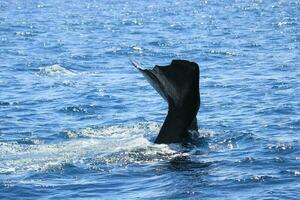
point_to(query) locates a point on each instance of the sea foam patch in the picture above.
(55, 70)
(113, 145)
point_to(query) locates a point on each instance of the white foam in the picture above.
(95, 145)
(294, 172)
(55, 70)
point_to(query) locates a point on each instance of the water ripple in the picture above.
(78, 121)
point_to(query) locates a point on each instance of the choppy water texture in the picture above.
(78, 121)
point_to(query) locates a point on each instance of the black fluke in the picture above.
(178, 84)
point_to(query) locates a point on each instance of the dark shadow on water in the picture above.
(188, 177)
(184, 163)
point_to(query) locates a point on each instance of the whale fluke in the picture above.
(178, 84)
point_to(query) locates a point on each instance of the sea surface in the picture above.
(77, 121)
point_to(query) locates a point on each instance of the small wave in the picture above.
(281, 148)
(286, 23)
(6, 103)
(294, 172)
(226, 53)
(55, 70)
(130, 22)
(74, 109)
(252, 45)
(205, 133)
(117, 131)
(24, 33)
(247, 160)
(256, 178)
(232, 142)
(138, 49)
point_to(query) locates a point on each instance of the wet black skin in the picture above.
(178, 84)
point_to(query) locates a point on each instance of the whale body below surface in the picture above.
(178, 84)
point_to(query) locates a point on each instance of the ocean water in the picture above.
(77, 121)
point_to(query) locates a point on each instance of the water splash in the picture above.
(113, 145)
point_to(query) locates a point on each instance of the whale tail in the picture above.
(178, 84)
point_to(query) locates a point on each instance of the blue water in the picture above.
(78, 121)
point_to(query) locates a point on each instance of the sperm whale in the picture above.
(178, 84)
